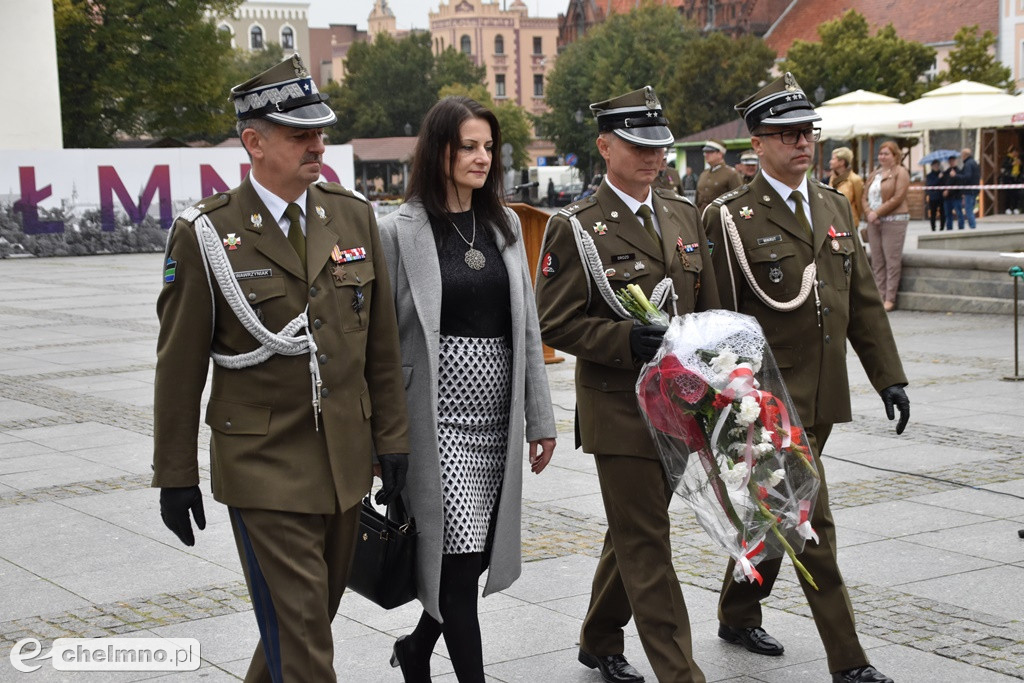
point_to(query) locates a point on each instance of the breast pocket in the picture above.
(841, 262)
(776, 268)
(266, 296)
(353, 287)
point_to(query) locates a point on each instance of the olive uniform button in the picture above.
(325, 392)
(826, 310)
(317, 324)
(252, 296)
(828, 338)
(227, 424)
(312, 291)
(323, 358)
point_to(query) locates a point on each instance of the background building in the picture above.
(518, 50)
(28, 51)
(258, 22)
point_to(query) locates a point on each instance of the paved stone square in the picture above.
(927, 521)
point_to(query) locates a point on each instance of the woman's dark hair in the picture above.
(433, 163)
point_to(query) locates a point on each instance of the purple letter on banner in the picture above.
(110, 182)
(210, 182)
(28, 205)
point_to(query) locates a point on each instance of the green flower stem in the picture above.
(788, 548)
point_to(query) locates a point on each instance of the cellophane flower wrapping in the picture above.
(729, 437)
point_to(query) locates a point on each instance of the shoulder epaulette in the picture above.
(335, 188)
(828, 187)
(672, 195)
(205, 206)
(730, 195)
(577, 206)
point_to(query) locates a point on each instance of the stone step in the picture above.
(958, 281)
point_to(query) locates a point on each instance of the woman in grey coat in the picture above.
(474, 376)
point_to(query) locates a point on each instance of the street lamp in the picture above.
(408, 130)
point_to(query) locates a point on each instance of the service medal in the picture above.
(775, 274)
(600, 228)
(835, 245)
(747, 212)
(232, 241)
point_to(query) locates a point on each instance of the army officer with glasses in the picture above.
(767, 235)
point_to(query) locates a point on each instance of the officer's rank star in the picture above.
(747, 212)
(600, 228)
(339, 273)
(232, 241)
(257, 220)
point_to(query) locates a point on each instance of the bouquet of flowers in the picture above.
(729, 437)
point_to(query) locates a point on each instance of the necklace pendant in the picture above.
(475, 259)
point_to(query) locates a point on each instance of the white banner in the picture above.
(137, 182)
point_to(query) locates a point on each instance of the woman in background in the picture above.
(475, 378)
(886, 211)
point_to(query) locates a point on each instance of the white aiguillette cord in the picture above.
(807, 282)
(286, 342)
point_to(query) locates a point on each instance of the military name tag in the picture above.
(768, 240)
(623, 257)
(249, 274)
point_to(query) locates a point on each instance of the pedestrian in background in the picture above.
(475, 378)
(952, 196)
(970, 179)
(718, 178)
(843, 178)
(933, 196)
(1012, 173)
(887, 214)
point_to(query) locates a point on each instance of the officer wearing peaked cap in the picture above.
(748, 166)
(631, 234)
(718, 178)
(789, 225)
(282, 282)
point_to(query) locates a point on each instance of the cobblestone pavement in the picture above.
(924, 520)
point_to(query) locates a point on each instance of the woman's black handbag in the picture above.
(384, 565)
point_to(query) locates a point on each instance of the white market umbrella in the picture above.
(840, 115)
(947, 107)
(1009, 113)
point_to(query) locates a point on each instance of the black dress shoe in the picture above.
(755, 639)
(614, 668)
(861, 674)
(400, 658)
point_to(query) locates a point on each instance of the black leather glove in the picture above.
(393, 467)
(175, 504)
(644, 340)
(895, 396)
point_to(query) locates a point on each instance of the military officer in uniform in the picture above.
(791, 227)
(628, 233)
(718, 178)
(282, 282)
(748, 166)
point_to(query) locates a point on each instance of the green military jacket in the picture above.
(265, 450)
(809, 344)
(575, 319)
(714, 182)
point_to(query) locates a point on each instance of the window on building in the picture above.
(465, 45)
(537, 46)
(287, 38)
(538, 85)
(256, 38)
(499, 85)
(499, 45)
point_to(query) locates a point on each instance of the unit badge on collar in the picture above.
(600, 228)
(747, 212)
(320, 212)
(232, 241)
(256, 220)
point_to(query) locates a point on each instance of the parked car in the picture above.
(565, 194)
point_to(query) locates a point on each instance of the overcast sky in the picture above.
(408, 13)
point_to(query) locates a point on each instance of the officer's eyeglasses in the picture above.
(791, 137)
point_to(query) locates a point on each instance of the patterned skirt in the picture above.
(474, 397)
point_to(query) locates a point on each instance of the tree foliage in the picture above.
(971, 59)
(389, 83)
(626, 52)
(698, 79)
(512, 119)
(712, 75)
(129, 67)
(849, 58)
